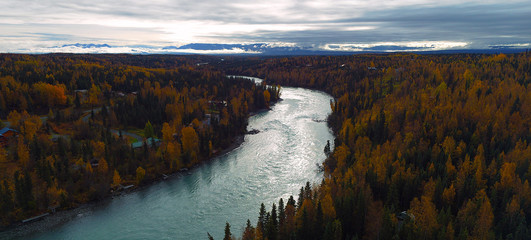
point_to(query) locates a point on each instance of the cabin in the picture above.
(209, 117)
(6, 134)
(218, 104)
(82, 94)
(149, 142)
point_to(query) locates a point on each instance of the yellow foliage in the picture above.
(450, 168)
(224, 121)
(116, 179)
(348, 132)
(14, 118)
(235, 104)
(55, 194)
(49, 94)
(327, 204)
(508, 176)
(99, 149)
(190, 140)
(425, 214)
(167, 133)
(103, 167)
(485, 218)
(140, 174)
(94, 95)
(23, 152)
(267, 97)
(449, 195)
(340, 154)
(88, 167)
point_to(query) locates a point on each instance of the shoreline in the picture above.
(20, 230)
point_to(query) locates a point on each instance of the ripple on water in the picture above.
(269, 165)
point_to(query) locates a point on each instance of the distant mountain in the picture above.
(90, 45)
(215, 46)
(255, 48)
(263, 49)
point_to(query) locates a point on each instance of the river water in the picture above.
(269, 165)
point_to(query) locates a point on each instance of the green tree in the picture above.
(6, 199)
(148, 130)
(272, 224)
(281, 218)
(228, 235)
(327, 148)
(210, 236)
(140, 174)
(261, 218)
(248, 233)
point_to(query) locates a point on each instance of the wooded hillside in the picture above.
(427, 147)
(82, 126)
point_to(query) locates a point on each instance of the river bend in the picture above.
(274, 163)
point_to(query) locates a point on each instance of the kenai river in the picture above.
(273, 164)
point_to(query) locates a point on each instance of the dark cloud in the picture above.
(306, 23)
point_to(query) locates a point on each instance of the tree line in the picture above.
(426, 147)
(76, 117)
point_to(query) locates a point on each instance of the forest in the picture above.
(426, 147)
(83, 127)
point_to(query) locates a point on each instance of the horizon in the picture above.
(264, 28)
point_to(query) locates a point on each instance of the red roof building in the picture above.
(6, 134)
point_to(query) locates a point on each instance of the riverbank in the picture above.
(268, 165)
(61, 217)
(19, 229)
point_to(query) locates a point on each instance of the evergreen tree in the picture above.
(272, 224)
(319, 222)
(291, 201)
(210, 236)
(327, 148)
(307, 191)
(148, 130)
(6, 199)
(281, 216)
(77, 102)
(261, 218)
(301, 198)
(248, 233)
(228, 235)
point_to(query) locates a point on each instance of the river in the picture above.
(269, 165)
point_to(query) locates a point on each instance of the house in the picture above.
(82, 94)
(209, 117)
(7, 134)
(150, 142)
(218, 104)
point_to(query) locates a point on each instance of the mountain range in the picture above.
(264, 49)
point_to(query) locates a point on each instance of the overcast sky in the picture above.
(40, 25)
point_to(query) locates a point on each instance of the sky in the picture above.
(38, 26)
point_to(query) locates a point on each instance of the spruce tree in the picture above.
(273, 224)
(281, 216)
(261, 218)
(228, 235)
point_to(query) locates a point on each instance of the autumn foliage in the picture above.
(427, 147)
(79, 120)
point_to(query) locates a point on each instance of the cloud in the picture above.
(395, 46)
(105, 48)
(39, 24)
